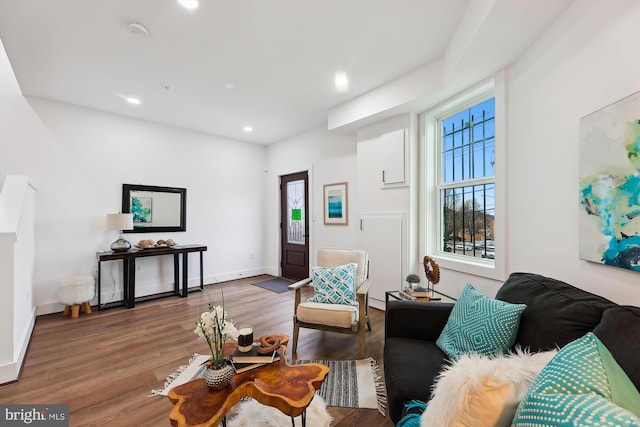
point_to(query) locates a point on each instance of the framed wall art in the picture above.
(609, 185)
(336, 204)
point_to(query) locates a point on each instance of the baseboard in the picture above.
(376, 304)
(11, 371)
(148, 288)
(225, 277)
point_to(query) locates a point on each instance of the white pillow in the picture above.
(483, 391)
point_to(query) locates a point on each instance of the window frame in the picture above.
(430, 209)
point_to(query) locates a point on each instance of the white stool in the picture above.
(76, 294)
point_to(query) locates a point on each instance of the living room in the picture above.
(78, 158)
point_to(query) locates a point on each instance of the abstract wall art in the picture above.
(335, 204)
(142, 209)
(609, 185)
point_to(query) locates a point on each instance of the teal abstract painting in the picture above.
(142, 208)
(609, 185)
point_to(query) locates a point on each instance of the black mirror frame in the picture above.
(126, 206)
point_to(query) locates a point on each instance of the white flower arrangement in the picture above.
(215, 328)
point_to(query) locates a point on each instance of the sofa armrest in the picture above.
(417, 320)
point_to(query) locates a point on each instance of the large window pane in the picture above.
(467, 149)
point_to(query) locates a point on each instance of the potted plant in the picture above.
(413, 280)
(216, 328)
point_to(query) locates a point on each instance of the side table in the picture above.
(289, 388)
(396, 296)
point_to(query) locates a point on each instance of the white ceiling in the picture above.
(281, 55)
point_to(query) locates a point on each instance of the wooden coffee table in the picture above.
(289, 388)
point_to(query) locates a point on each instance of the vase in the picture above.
(217, 379)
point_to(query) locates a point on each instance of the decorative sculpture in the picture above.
(432, 271)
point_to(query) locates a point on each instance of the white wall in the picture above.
(587, 60)
(98, 152)
(310, 151)
(80, 158)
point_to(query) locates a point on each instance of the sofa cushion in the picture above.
(334, 285)
(582, 385)
(479, 324)
(410, 368)
(619, 330)
(479, 390)
(556, 314)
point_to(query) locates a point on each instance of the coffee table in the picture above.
(289, 388)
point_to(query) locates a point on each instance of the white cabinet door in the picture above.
(381, 237)
(392, 157)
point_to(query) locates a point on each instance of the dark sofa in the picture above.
(556, 314)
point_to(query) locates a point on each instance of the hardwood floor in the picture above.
(104, 365)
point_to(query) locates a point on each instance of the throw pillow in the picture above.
(478, 390)
(583, 385)
(478, 324)
(335, 285)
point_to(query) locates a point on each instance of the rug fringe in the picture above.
(381, 391)
(171, 377)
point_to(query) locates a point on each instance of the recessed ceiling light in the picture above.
(132, 100)
(189, 4)
(247, 129)
(229, 86)
(341, 82)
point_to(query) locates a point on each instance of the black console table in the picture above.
(128, 259)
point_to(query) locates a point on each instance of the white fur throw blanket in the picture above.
(483, 391)
(251, 413)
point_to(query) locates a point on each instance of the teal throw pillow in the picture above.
(481, 325)
(334, 285)
(583, 385)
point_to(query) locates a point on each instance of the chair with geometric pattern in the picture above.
(340, 302)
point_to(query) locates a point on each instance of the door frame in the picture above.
(303, 272)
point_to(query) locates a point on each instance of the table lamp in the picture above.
(120, 222)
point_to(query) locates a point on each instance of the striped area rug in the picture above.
(352, 384)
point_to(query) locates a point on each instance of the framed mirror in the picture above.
(155, 209)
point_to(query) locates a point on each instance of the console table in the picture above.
(128, 259)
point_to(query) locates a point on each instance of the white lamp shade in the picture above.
(120, 221)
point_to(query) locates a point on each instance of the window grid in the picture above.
(467, 181)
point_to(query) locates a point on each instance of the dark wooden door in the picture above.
(294, 225)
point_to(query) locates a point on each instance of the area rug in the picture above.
(250, 413)
(277, 285)
(350, 383)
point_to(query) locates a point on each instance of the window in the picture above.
(466, 185)
(463, 210)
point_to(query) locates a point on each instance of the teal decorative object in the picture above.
(334, 285)
(478, 324)
(583, 385)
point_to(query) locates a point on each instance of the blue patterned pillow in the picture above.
(583, 385)
(481, 325)
(335, 285)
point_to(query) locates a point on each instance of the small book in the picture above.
(419, 294)
(253, 356)
(405, 296)
(244, 367)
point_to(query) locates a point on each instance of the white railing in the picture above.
(17, 248)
